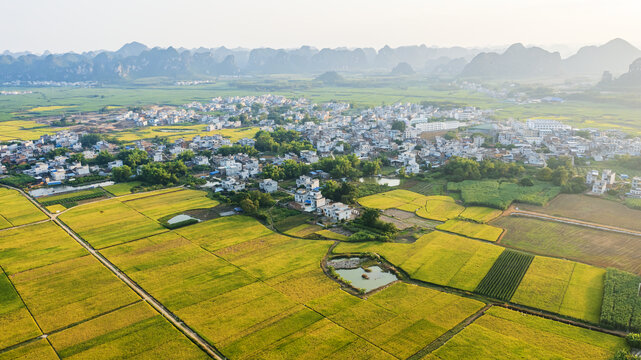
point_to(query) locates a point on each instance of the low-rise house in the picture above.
(268, 185)
(337, 211)
(309, 200)
(307, 182)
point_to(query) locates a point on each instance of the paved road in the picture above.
(191, 334)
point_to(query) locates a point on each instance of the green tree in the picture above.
(371, 167)
(89, 140)
(121, 174)
(544, 174)
(399, 125)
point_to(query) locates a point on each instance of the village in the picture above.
(415, 138)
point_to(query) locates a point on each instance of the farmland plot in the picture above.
(621, 301)
(35, 246)
(157, 206)
(471, 229)
(500, 194)
(480, 214)
(505, 275)
(591, 209)
(563, 287)
(40, 350)
(109, 222)
(437, 257)
(507, 334)
(17, 210)
(15, 321)
(596, 247)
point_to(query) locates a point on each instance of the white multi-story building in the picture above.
(635, 190)
(268, 185)
(307, 182)
(591, 177)
(438, 126)
(337, 211)
(309, 200)
(608, 176)
(546, 125)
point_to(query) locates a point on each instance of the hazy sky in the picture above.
(80, 25)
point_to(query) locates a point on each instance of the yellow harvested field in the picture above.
(157, 206)
(480, 214)
(17, 209)
(437, 207)
(471, 229)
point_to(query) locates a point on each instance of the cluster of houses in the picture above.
(422, 143)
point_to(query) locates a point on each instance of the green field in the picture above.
(17, 210)
(621, 301)
(563, 287)
(591, 209)
(500, 195)
(506, 334)
(70, 199)
(502, 280)
(471, 229)
(122, 188)
(596, 247)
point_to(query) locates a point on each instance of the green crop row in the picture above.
(621, 307)
(74, 199)
(505, 275)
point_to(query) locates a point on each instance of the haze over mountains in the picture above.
(135, 60)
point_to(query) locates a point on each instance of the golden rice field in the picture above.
(435, 207)
(157, 206)
(17, 210)
(480, 214)
(436, 257)
(471, 229)
(109, 222)
(48, 108)
(266, 296)
(563, 287)
(15, 320)
(186, 132)
(255, 294)
(86, 310)
(507, 334)
(24, 130)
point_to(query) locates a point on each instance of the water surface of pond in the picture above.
(376, 277)
(381, 181)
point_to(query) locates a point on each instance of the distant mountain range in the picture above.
(521, 62)
(135, 60)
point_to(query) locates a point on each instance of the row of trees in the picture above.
(459, 169)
